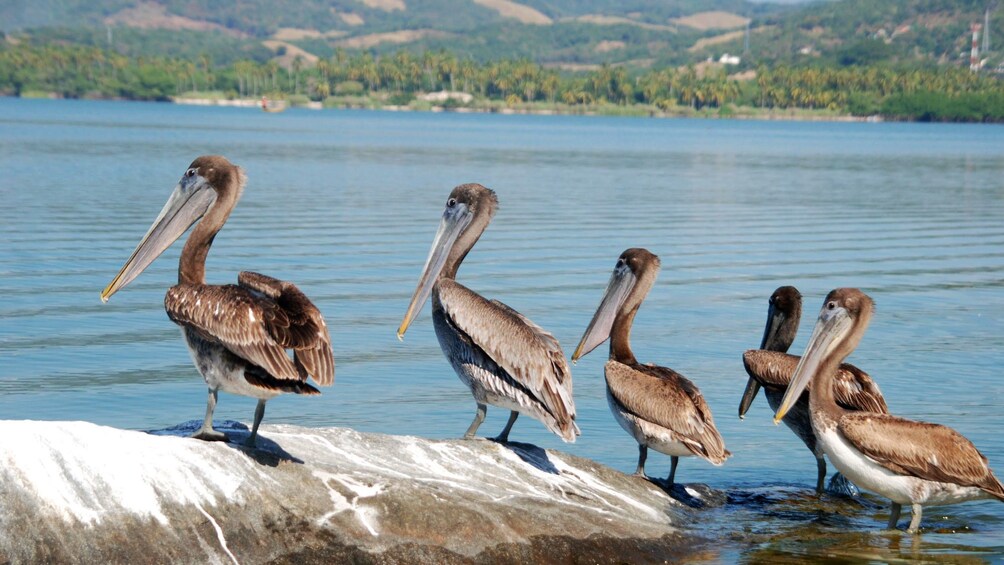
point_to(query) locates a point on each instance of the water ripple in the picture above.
(346, 205)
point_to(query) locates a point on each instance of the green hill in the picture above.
(569, 34)
(555, 32)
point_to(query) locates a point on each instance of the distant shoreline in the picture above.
(736, 113)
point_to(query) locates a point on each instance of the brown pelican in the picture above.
(505, 359)
(906, 461)
(659, 407)
(771, 367)
(237, 334)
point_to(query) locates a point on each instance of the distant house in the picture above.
(444, 95)
(727, 59)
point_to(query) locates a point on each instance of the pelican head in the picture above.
(205, 181)
(841, 323)
(633, 276)
(468, 210)
(784, 308)
(783, 311)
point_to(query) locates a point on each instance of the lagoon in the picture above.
(345, 203)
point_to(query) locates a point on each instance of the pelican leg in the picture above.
(478, 418)
(504, 436)
(820, 474)
(918, 511)
(642, 455)
(674, 461)
(206, 432)
(894, 515)
(259, 412)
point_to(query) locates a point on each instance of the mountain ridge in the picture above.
(553, 32)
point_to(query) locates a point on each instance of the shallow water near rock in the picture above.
(345, 204)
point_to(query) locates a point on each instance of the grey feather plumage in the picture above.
(504, 358)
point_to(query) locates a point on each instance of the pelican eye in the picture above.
(831, 305)
(451, 203)
(190, 172)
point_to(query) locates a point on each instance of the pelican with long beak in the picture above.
(237, 334)
(659, 407)
(505, 359)
(909, 462)
(771, 367)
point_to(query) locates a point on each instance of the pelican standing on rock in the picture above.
(505, 359)
(909, 462)
(237, 334)
(659, 407)
(771, 367)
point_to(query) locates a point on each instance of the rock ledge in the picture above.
(78, 492)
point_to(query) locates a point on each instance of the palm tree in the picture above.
(297, 67)
(549, 86)
(448, 68)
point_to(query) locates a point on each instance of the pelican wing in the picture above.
(852, 388)
(562, 372)
(920, 449)
(668, 399)
(770, 368)
(527, 353)
(855, 390)
(296, 325)
(242, 320)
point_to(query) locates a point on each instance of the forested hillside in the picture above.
(899, 58)
(568, 33)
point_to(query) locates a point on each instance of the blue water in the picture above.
(345, 204)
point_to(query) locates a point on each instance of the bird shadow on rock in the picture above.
(531, 454)
(693, 495)
(265, 452)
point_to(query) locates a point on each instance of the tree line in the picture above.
(942, 93)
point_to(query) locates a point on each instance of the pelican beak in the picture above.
(455, 220)
(189, 201)
(832, 325)
(752, 388)
(774, 320)
(621, 282)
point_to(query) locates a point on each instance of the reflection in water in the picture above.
(784, 525)
(345, 203)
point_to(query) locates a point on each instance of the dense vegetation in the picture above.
(946, 93)
(636, 33)
(889, 31)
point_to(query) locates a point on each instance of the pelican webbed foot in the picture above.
(206, 432)
(209, 434)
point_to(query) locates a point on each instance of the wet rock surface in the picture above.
(78, 492)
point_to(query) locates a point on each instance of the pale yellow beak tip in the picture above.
(577, 355)
(104, 298)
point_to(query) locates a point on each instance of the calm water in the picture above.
(345, 203)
